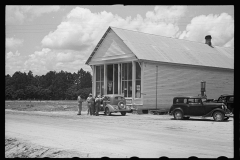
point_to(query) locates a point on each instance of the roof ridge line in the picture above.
(167, 37)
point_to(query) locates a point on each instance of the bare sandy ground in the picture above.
(64, 134)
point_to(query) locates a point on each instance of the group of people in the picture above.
(92, 103)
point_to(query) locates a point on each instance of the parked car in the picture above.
(190, 106)
(228, 100)
(113, 104)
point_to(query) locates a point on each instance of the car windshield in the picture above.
(231, 99)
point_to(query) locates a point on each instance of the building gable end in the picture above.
(111, 47)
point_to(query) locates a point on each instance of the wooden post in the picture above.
(105, 79)
(133, 80)
(142, 80)
(119, 80)
(94, 81)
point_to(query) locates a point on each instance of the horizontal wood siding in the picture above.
(174, 80)
(112, 48)
(149, 85)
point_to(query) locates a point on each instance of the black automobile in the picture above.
(191, 106)
(115, 103)
(228, 100)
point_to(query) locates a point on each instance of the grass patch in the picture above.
(48, 106)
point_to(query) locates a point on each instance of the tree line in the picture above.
(52, 86)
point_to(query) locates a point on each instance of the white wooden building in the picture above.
(149, 70)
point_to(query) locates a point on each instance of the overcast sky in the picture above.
(55, 38)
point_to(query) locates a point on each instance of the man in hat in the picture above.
(90, 104)
(80, 100)
(97, 104)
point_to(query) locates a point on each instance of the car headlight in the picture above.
(224, 107)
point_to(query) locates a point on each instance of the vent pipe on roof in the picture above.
(208, 40)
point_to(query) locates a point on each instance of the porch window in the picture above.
(138, 81)
(112, 79)
(99, 80)
(126, 71)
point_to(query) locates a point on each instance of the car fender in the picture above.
(177, 109)
(110, 107)
(210, 114)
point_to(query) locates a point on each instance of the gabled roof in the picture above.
(171, 50)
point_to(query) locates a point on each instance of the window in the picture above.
(181, 100)
(190, 101)
(115, 78)
(138, 81)
(222, 99)
(107, 98)
(112, 79)
(99, 80)
(127, 79)
(194, 101)
(198, 101)
(185, 101)
(231, 99)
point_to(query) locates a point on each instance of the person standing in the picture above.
(90, 104)
(93, 106)
(97, 104)
(80, 100)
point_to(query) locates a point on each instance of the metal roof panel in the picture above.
(159, 48)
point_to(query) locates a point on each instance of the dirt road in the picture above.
(116, 136)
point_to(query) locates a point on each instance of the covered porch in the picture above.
(124, 78)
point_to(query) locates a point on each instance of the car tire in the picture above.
(218, 116)
(178, 115)
(123, 113)
(107, 112)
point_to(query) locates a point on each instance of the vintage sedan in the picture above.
(113, 103)
(190, 106)
(228, 100)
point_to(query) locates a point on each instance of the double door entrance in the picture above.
(112, 79)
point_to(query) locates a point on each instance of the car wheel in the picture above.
(107, 112)
(218, 116)
(178, 114)
(123, 113)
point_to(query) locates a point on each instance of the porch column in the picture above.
(133, 80)
(94, 81)
(119, 79)
(105, 79)
(142, 78)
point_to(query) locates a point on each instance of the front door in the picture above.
(195, 107)
(112, 79)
